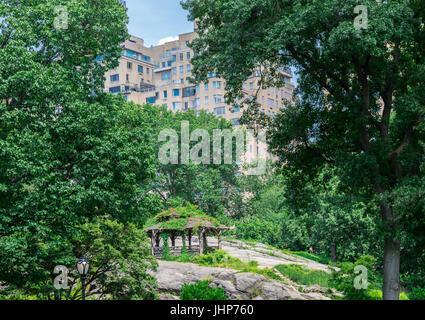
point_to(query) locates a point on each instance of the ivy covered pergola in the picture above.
(184, 222)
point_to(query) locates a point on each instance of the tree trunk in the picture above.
(333, 253)
(391, 288)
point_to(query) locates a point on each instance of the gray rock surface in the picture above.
(172, 275)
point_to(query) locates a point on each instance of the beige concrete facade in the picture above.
(160, 75)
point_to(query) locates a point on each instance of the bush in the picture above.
(259, 230)
(201, 291)
(302, 275)
(343, 280)
(377, 295)
(417, 294)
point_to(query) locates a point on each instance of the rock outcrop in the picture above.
(172, 275)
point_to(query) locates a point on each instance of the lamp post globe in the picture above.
(83, 266)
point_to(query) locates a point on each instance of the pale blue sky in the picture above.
(153, 20)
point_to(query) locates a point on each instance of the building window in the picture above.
(126, 77)
(174, 58)
(198, 88)
(182, 81)
(236, 108)
(176, 92)
(115, 77)
(174, 70)
(131, 54)
(217, 85)
(165, 94)
(147, 70)
(219, 111)
(181, 69)
(188, 68)
(129, 65)
(207, 100)
(150, 100)
(181, 56)
(211, 75)
(188, 55)
(189, 92)
(251, 86)
(270, 102)
(218, 98)
(140, 69)
(176, 106)
(169, 63)
(165, 76)
(206, 87)
(235, 122)
(115, 89)
(186, 105)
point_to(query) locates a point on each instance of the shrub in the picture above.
(343, 280)
(201, 291)
(418, 293)
(302, 275)
(376, 294)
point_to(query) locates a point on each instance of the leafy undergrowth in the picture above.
(201, 291)
(302, 275)
(221, 259)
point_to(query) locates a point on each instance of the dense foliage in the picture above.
(361, 99)
(207, 185)
(202, 291)
(179, 217)
(69, 154)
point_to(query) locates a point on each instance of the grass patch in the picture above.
(304, 276)
(221, 259)
(315, 257)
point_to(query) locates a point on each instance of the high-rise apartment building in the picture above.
(161, 75)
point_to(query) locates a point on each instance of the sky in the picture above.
(157, 20)
(160, 21)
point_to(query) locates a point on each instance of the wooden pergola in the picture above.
(186, 228)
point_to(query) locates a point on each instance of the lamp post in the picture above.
(83, 265)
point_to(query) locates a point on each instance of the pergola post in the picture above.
(173, 239)
(204, 239)
(152, 243)
(219, 240)
(190, 239)
(201, 243)
(157, 239)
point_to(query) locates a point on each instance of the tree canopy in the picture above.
(361, 98)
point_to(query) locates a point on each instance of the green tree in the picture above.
(207, 185)
(68, 152)
(361, 106)
(119, 257)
